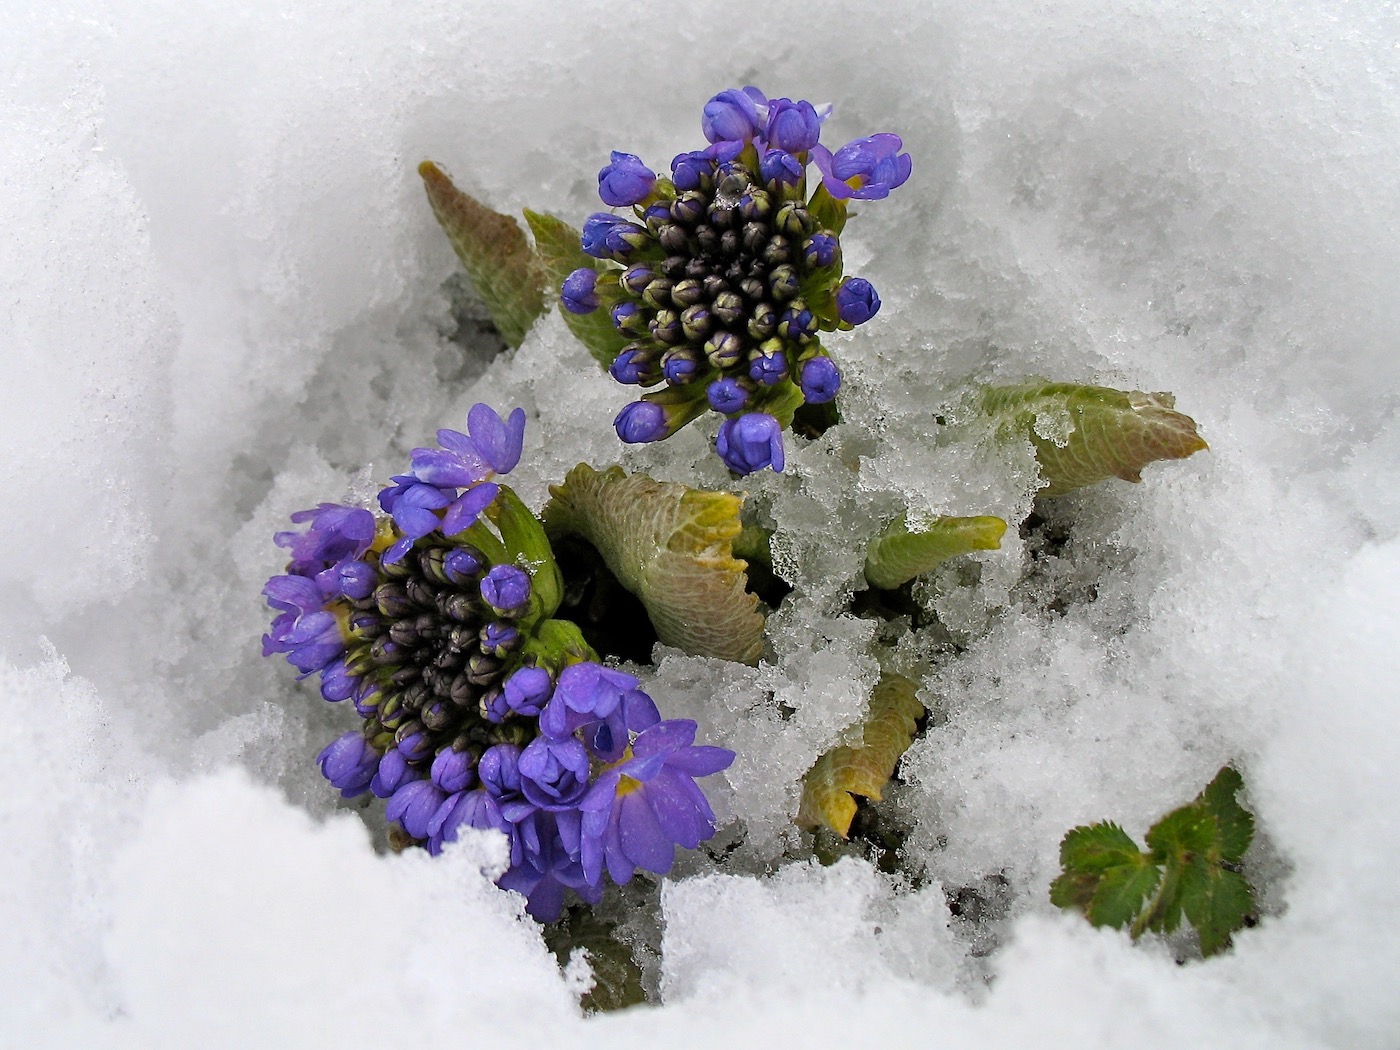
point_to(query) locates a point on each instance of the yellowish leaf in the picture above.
(864, 768)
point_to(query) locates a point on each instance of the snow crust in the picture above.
(222, 302)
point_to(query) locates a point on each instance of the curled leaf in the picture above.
(864, 768)
(560, 252)
(494, 251)
(899, 553)
(671, 546)
(1085, 434)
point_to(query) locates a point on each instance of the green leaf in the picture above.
(1235, 822)
(524, 540)
(1105, 875)
(1216, 902)
(899, 554)
(494, 251)
(864, 768)
(1187, 871)
(560, 253)
(1085, 434)
(671, 546)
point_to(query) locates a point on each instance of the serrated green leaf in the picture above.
(1085, 434)
(864, 768)
(1184, 832)
(494, 251)
(1192, 849)
(899, 554)
(1121, 891)
(670, 546)
(1236, 823)
(559, 252)
(1105, 875)
(1097, 847)
(1216, 902)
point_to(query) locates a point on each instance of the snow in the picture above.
(222, 302)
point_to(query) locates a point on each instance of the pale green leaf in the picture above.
(560, 252)
(494, 251)
(866, 767)
(671, 546)
(1085, 434)
(899, 553)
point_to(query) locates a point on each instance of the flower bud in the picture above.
(578, 294)
(820, 380)
(454, 770)
(751, 442)
(726, 396)
(856, 301)
(506, 589)
(625, 180)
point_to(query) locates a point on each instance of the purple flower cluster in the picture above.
(462, 724)
(725, 273)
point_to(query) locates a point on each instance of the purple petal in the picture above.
(701, 761)
(643, 840)
(665, 736)
(464, 512)
(499, 441)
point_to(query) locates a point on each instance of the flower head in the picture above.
(477, 709)
(727, 272)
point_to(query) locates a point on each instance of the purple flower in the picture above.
(768, 369)
(626, 180)
(527, 690)
(751, 442)
(506, 589)
(602, 705)
(633, 365)
(640, 422)
(413, 506)
(349, 763)
(734, 115)
(490, 446)
(821, 249)
(678, 368)
(310, 636)
(473, 809)
(414, 805)
(499, 772)
(638, 811)
(553, 773)
(792, 126)
(337, 684)
(453, 770)
(689, 169)
(336, 533)
(856, 301)
(726, 396)
(820, 380)
(578, 294)
(545, 862)
(499, 638)
(606, 236)
(781, 166)
(866, 169)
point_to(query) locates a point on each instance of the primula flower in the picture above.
(626, 180)
(732, 269)
(856, 301)
(578, 295)
(477, 710)
(866, 169)
(751, 442)
(641, 809)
